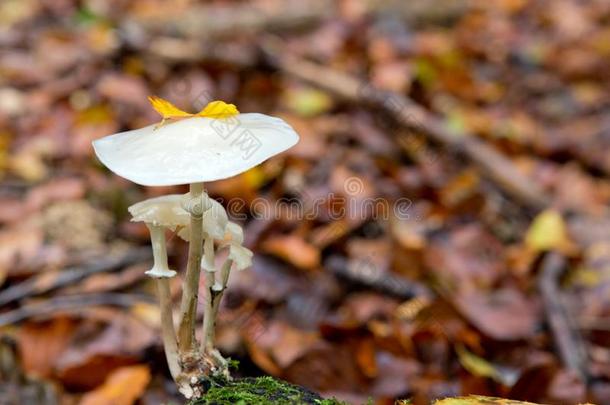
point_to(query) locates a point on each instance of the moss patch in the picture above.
(261, 391)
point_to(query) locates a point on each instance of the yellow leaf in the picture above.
(167, 109)
(479, 400)
(218, 109)
(547, 232)
(476, 365)
(123, 387)
(214, 109)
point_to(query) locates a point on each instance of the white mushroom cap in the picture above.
(214, 220)
(195, 149)
(241, 256)
(235, 233)
(163, 211)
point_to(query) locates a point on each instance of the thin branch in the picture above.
(412, 117)
(71, 303)
(565, 333)
(47, 282)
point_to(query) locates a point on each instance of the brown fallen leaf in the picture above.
(505, 314)
(110, 339)
(123, 387)
(294, 250)
(41, 343)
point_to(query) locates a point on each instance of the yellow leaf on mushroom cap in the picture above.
(167, 109)
(218, 109)
(214, 109)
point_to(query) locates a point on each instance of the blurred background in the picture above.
(441, 228)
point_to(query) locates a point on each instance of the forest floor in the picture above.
(441, 229)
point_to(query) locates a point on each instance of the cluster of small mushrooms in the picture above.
(216, 143)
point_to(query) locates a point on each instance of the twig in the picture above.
(412, 117)
(71, 303)
(50, 281)
(565, 333)
(217, 21)
(387, 283)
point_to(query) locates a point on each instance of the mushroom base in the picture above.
(200, 371)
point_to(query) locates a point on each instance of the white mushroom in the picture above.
(160, 213)
(238, 254)
(216, 143)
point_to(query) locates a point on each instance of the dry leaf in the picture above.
(547, 232)
(123, 387)
(294, 250)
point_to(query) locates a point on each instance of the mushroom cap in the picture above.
(196, 149)
(164, 211)
(241, 256)
(214, 221)
(234, 233)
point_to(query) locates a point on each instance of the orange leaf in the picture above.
(294, 250)
(123, 387)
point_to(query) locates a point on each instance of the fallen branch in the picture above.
(414, 118)
(383, 282)
(71, 303)
(214, 21)
(47, 282)
(565, 333)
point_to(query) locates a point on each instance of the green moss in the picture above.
(261, 391)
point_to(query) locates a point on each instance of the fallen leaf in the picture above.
(479, 400)
(294, 250)
(41, 343)
(505, 314)
(123, 387)
(547, 232)
(474, 364)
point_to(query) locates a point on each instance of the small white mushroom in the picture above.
(238, 254)
(160, 213)
(242, 258)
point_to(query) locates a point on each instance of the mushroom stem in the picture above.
(208, 254)
(215, 292)
(207, 342)
(188, 306)
(167, 327)
(160, 267)
(225, 271)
